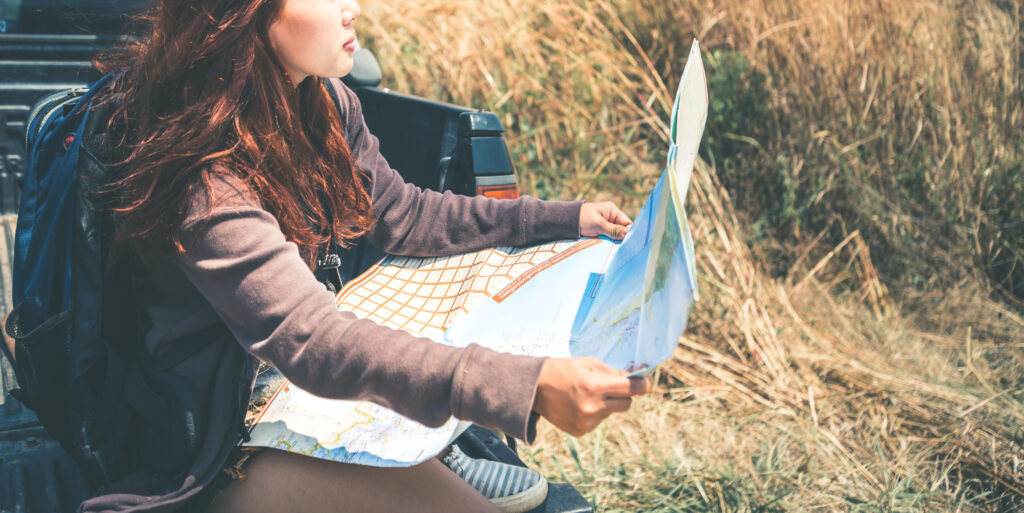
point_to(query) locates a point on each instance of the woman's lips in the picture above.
(350, 45)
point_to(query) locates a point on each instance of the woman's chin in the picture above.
(340, 71)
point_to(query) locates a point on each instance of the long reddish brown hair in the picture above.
(204, 93)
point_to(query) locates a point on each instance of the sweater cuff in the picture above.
(496, 390)
(531, 427)
(551, 220)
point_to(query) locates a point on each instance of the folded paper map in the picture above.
(625, 303)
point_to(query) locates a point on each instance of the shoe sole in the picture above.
(525, 500)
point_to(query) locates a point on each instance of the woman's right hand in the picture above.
(576, 394)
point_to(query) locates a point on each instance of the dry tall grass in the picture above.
(859, 230)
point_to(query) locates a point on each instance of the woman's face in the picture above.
(315, 37)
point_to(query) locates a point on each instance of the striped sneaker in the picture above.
(512, 489)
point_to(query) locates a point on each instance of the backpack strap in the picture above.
(333, 85)
(328, 260)
(332, 90)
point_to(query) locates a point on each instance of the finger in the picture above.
(609, 212)
(617, 404)
(612, 230)
(639, 386)
(625, 387)
(619, 217)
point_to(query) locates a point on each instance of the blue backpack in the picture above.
(78, 354)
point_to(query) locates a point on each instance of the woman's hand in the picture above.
(603, 219)
(576, 394)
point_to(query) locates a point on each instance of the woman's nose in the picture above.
(349, 12)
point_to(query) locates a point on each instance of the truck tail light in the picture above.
(504, 191)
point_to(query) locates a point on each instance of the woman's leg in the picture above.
(277, 481)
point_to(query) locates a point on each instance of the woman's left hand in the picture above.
(603, 219)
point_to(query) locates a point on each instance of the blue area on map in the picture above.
(624, 303)
(361, 458)
(633, 314)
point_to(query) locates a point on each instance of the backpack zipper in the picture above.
(50, 104)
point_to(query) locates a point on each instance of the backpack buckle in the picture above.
(331, 261)
(328, 272)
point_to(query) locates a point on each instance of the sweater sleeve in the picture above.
(239, 260)
(413, 221)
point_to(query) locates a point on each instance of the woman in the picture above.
(237, 171)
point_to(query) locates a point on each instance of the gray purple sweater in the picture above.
(239, 271)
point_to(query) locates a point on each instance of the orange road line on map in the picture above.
(447, 297)
(384, 285)
(266, 407)
(378, 274)
(364, 423)
(537, 269)
(397, 261)
(340, 433)
(356, 281)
